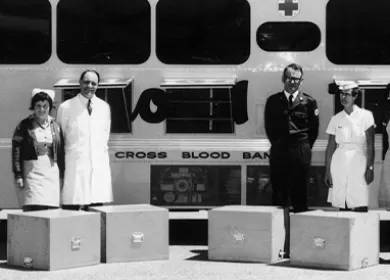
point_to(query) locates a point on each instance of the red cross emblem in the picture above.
(288, 8)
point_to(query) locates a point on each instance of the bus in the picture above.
(187, 81)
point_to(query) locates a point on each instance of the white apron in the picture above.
(41, 176)
(384, 186)
(348, 164)
(87, 168)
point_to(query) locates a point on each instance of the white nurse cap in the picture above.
(49, 92)
(347, 86)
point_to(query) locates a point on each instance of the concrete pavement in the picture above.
(190, 262)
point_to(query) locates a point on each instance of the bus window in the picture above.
(357, 32)
(25, 31)
(203, 31)
(199, 111)
(103, 32)
(288, 36)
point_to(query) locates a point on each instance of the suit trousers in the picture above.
(289, 166)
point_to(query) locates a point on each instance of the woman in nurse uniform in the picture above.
(38, 155)
(350, 153)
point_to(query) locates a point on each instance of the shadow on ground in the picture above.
(188, 232)
(202, 255)
(6, 266)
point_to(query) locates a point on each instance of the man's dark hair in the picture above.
(89, 70)
(293, 66)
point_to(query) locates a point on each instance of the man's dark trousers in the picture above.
(290, 164)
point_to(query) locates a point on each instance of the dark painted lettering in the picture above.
(255, 155)
(140, 155)
(129, 155)
(246, 155)
(161, 100)
(162, 155)
(151, 155)
(225, 155)
(185, 155)
(206, 155)
(120, 155)
(215, 155)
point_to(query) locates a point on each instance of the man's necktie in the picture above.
(290, 100)
(89, 107)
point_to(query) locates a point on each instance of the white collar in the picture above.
(355, 110)
(295, 94)
(85, 100)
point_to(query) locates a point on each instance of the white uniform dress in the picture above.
(348, 164)
(87, 167)
(41, 176)
(384, 187)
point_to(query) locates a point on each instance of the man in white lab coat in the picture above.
(85, 120)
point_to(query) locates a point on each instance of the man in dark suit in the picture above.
(291, 124)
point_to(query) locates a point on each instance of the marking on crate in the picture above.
(238, 236)
(75, 244)
(319, 242)
(138, 237)
(28, 262)
(364, 262)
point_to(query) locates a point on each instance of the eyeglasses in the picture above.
(294, 79)
(346, 94)
(39, 107)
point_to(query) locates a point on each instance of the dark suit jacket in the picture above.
(280, 121)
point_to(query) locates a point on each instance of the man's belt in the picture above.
(298, 138)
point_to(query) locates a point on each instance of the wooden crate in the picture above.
(136, 232)
(53, 239)
(334, 240)
(247, 233)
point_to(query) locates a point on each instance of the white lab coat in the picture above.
(87, 168)
(348, 163)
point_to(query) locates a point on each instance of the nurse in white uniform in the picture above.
(350, 153)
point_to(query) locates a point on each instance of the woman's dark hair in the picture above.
(89, 70)
(356, 91)
(41, 96)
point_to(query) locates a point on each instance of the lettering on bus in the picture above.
(220, 155)
(205, 155)
(161, 101)
(140, 155)
(255, 155)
